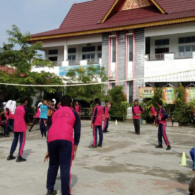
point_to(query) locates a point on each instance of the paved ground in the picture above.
(127, 164)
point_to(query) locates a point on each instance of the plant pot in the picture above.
(144, 122)
(175, 124)
(169, 124)
(141, 121)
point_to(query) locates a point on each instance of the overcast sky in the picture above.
(33, 16)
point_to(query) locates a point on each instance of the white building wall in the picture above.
(173, 42)
(170, 29)
(155, 69)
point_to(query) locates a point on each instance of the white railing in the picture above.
(159, 56)
(84, 61)
(182, 55)
(57, 63)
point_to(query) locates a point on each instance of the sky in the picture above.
(32, 16)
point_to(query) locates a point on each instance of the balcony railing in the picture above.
(84, 61)
(159, 56)
(179, 55)
(57, 63)
(183, 55)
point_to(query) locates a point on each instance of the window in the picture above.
(99, 55)
(99, 48)
(88, 49)
(114, 49)
(162, 42)
(71, 50)
(53, 52)
(187, 40)
(130, 48)
(53, 59)
(71, 57)
(112, 85)
(88, 56)
(188, 48)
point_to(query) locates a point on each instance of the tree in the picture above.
(181, 112)
(23, 60)
(119, 103)
(85, 75)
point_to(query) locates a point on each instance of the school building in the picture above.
(132, 39)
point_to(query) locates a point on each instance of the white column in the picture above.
(65, 51)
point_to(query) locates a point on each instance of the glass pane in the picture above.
(113, 49)
(84, 57)
(93, 56)
(193, 47)
(73, 57)
(188, 40)
(181, 49)
(181, 40)
(130, 48)
(188, 48)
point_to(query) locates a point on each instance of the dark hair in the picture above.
(97, 100)
(135, 100)
(160, 102)
(49, 100)
(66, 100)
(106, 101)
(23, 99)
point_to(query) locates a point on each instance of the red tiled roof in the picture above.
(76, 22)
(87, 13)
(170, 6)
(7, 69)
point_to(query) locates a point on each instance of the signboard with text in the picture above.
(146, 92)
(189, 94)
(64, 70)
(169, 95)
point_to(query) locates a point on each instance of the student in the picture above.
(49, 114)
(162, 116)
(59, 105)
(2, 124)
(153, 112)
(137, 111)
(96, 124)
(78, 108)
(62, 146)
(21, 118)
(192, 157)
(36, 116)
(43, 117)
(10, 111)
(106, 117)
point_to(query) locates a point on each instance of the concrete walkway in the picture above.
(127, 164)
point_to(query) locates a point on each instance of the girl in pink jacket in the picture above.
(20, 120)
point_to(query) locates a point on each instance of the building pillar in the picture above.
(117, 53)
(138, 61)
(126, 67)
(65, 51)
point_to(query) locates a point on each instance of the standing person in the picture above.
(162, 116)
(137, 111)
(62, 146)
(49, 114)
(78, 108)
(21, 118)
(153, 113)
(43, 117)
(36, 116)
(59, 105)
(106, 117)
(10, 111)
(96, 124)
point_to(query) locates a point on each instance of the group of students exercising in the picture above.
(63, 135)
(159, 118)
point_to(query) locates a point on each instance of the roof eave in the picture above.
(104, 30)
